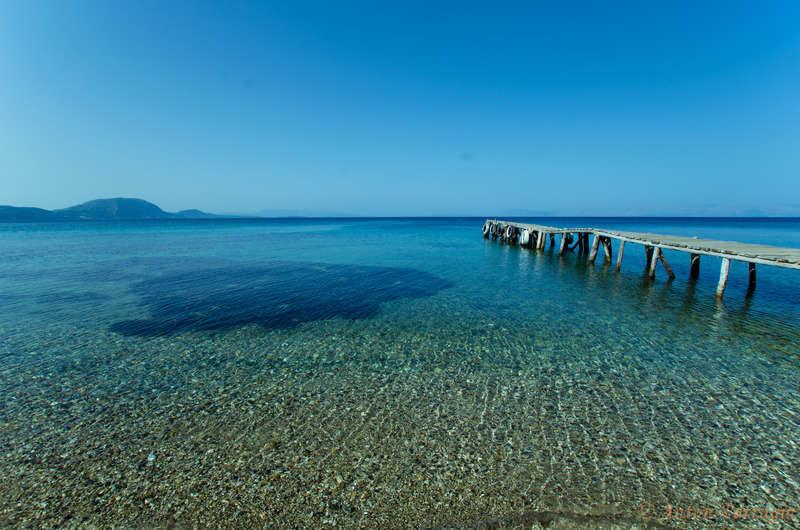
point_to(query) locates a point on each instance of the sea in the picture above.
(392, 373)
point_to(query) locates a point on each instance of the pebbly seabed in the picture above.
(388, 373)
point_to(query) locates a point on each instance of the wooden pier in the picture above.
(536, 236)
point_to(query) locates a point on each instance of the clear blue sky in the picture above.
(400, 108)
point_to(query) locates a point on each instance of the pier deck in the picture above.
(654, 244)
(752, 253)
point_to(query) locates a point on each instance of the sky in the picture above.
(402, 108)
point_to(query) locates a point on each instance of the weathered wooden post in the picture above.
(723, 276)
(563, 244)
(595, 246)
(619, 258)
(648, 250)
(579, 243)
(540, 241)
(752, 284)
(656, 252)
(694, 271)
(606, 241)
(666, 265)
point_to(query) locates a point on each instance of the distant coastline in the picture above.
(121, 209)
(129, 209)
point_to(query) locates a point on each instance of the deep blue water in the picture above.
(150, 310)
(274, 272)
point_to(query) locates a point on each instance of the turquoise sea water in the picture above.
(391, 373)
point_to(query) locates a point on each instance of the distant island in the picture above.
(119, 209)
(122, 209)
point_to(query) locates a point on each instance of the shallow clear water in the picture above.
(392, 373)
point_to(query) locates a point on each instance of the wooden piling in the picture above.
(563, 244)
(752, 283)
(648, 251)
(655, 253)
(666, 265)
(619, 257)
(723, 276)
(579, 243)
(694, 271)
(606, 241)
(595, 246)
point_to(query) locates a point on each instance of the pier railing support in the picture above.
(723, 276)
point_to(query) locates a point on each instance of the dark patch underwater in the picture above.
(274, 295)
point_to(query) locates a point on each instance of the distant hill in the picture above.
(196, 214)
(115, 209)
(13, 213)
(100, 210)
